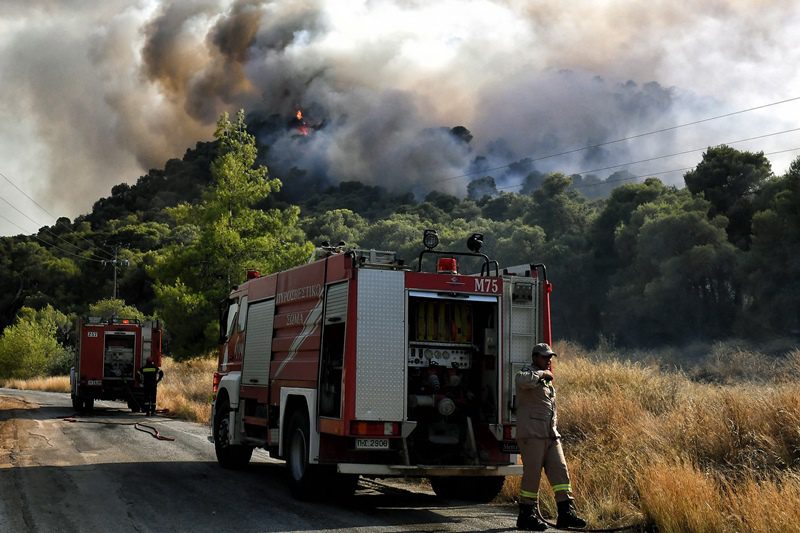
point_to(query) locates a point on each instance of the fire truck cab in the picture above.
(356, 364)
(108, 354)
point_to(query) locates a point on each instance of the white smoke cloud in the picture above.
(96, 93)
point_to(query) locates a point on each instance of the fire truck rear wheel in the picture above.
(305, 480)
(77, 403)
(481, 489)
(233, 456)
(88, 404)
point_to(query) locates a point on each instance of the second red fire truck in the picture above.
(108, 354)
(357, 364)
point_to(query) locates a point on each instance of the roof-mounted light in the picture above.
(475, 242)
(430, 239)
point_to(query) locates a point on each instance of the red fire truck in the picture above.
(356, 364)
(108, 354)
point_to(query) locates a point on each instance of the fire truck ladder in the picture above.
(521, 326)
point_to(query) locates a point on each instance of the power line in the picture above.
(46, 230)
(649, 174)
(636, 136)
(14, 224)
(672, 155)
(9, 180)
(51, 245)
(686, 152)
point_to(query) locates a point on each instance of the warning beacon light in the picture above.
(430, 239)
(447, 265)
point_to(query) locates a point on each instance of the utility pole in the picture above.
(115, 263)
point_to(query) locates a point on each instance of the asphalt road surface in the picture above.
(99, 473)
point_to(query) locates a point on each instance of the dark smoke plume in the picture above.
(95, 93)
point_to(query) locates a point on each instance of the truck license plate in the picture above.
(372, 444)
(510, 446)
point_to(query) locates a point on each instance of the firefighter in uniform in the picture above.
(151, 375)
(540, 445)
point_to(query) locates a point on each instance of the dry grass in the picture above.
(48, 384)
(712, 445)
(186, 388)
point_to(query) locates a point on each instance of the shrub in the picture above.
(29, 348)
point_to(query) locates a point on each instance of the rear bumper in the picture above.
(428, 470)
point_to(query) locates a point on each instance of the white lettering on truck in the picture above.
(301, 293)
(485, 285)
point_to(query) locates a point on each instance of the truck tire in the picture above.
(306, 481)
(481, 489)
(77, 403)
(88, 404)
(133, 405)
(233, 456)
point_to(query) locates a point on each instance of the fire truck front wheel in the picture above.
(233, 456)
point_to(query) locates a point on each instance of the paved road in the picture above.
(99, 474)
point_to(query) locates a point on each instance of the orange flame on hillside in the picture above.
(300, 125)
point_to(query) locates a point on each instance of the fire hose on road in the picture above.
(139, 426)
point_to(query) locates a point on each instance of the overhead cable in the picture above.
(628, 138)
(9, 180)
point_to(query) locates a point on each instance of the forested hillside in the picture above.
(642, 263)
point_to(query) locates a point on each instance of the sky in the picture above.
(93, 94)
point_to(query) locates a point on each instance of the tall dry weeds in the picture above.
(677, 497)
(47, 384)
(679, 454)
(186, 389)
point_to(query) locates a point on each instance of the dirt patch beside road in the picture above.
(9, 431)
(7, 403)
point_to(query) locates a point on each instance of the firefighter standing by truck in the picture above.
(540, 444)
(151, 375)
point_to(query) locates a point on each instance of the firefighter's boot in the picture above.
(528, 519)
(568, 516)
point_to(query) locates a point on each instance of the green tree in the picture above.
(507, 206)
(335, 226)
(729, 180)
(678, 282)
(401, 233)
(231, 237)
(559, 209)
(603, 258)
(112, 307)
(513, 243)
(33, 275)
(481, 188)
(772, 266)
